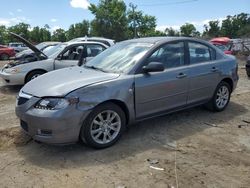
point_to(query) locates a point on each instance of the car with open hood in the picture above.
(21, 71)
(129, 82)
(27, 54)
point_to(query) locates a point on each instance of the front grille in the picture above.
(21, 100)
(24, 125)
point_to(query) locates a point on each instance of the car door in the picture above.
(162, 91)
(204, 72)
(70, 56)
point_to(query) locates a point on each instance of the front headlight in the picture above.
(55, 103)
(12, 70)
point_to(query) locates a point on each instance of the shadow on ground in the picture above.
(152, 134)
(10, 90)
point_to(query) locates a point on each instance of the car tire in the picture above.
(221, 97)
(34, 74)
(248, 73)
(4, 57)
(104, 126)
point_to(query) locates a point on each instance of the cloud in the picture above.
(19, 10)
(84, 4)
(198, 24)
(53, 20)
(54, 28)
(163, 27)
(12, 21)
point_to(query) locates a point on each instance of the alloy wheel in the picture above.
(222, 97)
(105, 127)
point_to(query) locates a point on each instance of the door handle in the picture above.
(214, 69)
(181, 75)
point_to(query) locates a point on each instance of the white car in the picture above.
(61, 56)
(108, 42)
(18, 47)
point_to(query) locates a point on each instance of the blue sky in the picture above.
(62, 13)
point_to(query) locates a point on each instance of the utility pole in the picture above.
(134, 24)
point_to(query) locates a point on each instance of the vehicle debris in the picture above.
(156, 168)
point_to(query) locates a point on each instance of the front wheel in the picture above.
(34, 74)
(220, 98)
(104, 126)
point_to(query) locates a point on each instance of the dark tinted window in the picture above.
(171, 55)
(200, 53)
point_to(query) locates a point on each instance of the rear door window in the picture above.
(200, 53)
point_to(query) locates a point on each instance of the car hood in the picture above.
(28, 44)
(63, 81)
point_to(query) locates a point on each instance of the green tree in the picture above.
(188, 30)
(3, 34)
(140, 24)
(78, 30)
(172, 32)
(21, 29)
(212, 29)
(35, 35)
(110, 19)
(59, 35)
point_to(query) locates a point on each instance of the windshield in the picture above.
(120, 58)
(55, 50)
(40, 45)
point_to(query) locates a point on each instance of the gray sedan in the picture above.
(129, 82)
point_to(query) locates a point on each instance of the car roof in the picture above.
(84, 42)
(50, 42)
(160, 39)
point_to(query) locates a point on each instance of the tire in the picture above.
(94, 126)
(221, 97)
(248, 73)
(4, 57)
(32, 75)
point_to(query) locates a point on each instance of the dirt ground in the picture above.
(192, 148)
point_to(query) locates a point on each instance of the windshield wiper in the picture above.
(95, 68)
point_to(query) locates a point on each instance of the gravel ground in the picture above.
(192, 148)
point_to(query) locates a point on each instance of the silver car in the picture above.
(129, 82)
(63, 55)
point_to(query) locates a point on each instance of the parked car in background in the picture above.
(223, 43)
(18, 47)
(6, 52)
(129, 82)
(248, 66)
(63, 55)
(28, 54)
(108, 42)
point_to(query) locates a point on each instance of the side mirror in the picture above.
(153, 67)
(83, 56)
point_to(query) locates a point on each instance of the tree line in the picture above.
(114, 19)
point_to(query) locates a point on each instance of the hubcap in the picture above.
(222, 97)
(35, 76)
(105, 127)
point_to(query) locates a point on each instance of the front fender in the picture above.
(121, 89)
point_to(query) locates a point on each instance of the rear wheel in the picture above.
(34, 74)
(220, 98)
(4, 57)
(104, 126)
